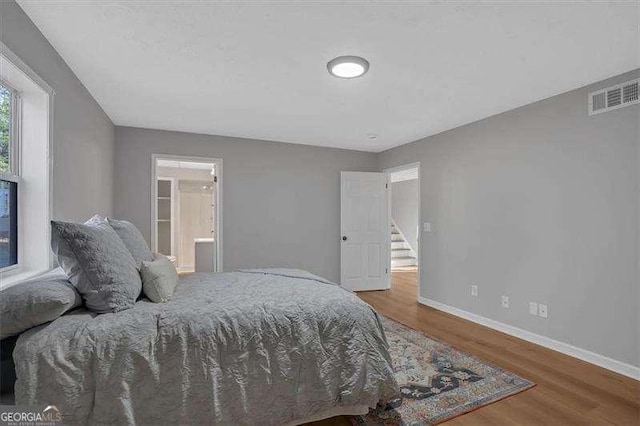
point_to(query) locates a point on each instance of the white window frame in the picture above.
(14, 162)
(29, 265)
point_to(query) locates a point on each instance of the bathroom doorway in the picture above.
(186, 212)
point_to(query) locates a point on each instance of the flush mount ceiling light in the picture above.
(348, 66)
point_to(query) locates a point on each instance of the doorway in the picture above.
(186, 211)
(404, 211)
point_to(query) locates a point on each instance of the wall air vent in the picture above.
(614, 97)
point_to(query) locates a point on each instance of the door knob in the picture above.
(344, 238)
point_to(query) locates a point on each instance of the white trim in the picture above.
(388, 195)
(15, 60)
(10, 268)
(154, 190)
(418, 249)
(556, 345)
(50, 165)
(15, 269)
(15, 128)
(13, 175)
(17, 274)
(18, 277)
(175, 214)
(10, 177)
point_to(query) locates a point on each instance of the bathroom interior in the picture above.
(186, 214)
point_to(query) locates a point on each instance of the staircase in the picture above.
(401, 252)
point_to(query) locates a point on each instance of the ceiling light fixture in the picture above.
(348, 66)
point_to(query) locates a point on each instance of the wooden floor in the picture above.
(568, 391)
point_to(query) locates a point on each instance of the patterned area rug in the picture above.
(437, 382)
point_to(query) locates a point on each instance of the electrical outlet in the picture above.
(542, 311)
(427, 227)
(474, 290)
(533, 308)
(505, 302)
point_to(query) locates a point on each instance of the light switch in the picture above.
(427, 227)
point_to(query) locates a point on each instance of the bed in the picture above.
(270, 346)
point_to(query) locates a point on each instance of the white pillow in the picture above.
(159, 279)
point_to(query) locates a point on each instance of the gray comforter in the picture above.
(247, 347)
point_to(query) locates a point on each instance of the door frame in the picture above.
(418, 249)
(217, 162)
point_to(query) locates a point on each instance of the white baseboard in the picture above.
(583, 354)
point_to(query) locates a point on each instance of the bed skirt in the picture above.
(353, 410)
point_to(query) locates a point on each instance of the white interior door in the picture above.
(364, 253)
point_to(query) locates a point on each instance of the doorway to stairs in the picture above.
(404, 202)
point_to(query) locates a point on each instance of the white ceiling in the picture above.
(258, 69)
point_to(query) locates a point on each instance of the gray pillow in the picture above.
(36, 302)
(159, 279)
(133, 240)
(97, 263)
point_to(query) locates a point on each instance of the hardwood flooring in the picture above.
(568, 391)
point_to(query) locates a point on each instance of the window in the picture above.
(9, 175)
(26, 111)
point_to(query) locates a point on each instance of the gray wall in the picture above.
(82, 133)
(539, 203)
(281, 202)
(404, 209)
